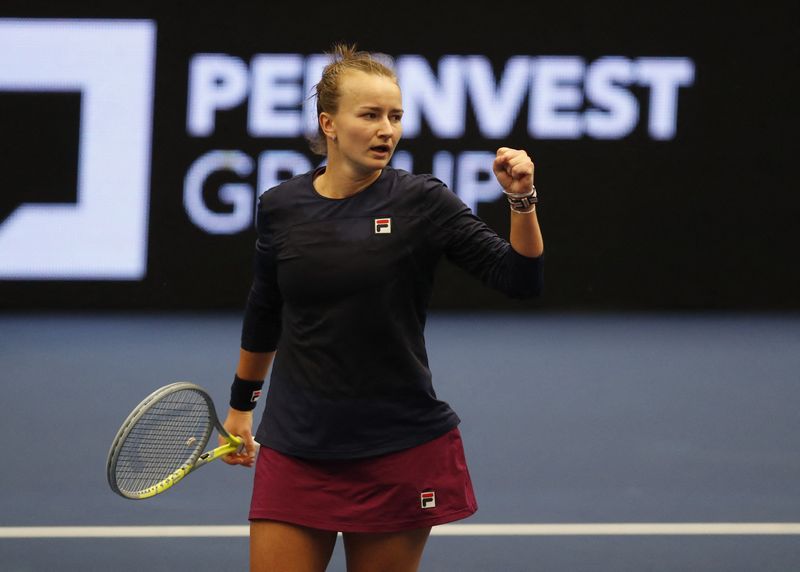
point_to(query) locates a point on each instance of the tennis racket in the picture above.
(163, 440)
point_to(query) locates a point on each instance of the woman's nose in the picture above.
(385, 128)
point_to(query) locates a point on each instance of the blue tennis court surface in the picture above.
(567, 420)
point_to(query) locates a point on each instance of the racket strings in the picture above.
(171, 433)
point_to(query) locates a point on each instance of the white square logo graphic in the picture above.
(428, 499)
(383, 226)
(111, 63)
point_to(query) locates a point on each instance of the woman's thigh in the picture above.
(283, 547)
(385, 552)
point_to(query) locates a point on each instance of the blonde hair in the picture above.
(344, 57)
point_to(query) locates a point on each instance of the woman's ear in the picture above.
(326, 124)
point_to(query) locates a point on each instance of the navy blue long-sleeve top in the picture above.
(341, 288)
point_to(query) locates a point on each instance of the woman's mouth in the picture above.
(380, 149)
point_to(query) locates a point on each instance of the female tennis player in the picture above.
(353, 438)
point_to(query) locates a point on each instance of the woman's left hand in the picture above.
(514, 170)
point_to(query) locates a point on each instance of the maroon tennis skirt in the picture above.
(418, 487)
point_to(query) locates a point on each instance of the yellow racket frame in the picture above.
(233, 444)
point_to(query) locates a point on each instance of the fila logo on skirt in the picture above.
(383, 226)
(428, 499)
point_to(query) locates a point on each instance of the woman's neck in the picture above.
(340, 183)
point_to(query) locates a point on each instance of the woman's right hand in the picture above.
(240, 424)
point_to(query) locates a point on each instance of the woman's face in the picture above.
(367, 125)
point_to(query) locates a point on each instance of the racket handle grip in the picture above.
(232, 446)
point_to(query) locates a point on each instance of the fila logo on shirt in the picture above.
(428, 499)
(383, 226)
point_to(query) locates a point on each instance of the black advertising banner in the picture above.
(136, 140)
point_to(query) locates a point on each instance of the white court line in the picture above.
(593, 529)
